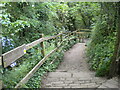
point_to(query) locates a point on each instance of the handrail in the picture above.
(27, 77)
(12, 55)
(34, 43)
(18, 52)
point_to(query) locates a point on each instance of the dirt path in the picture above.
(74, 59)
(73, 72)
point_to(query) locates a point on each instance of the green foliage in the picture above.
(82, 15)
(12, 77)
(23, 22)
(29, 20)
(101, 53)
(101, 47)
(35, 81)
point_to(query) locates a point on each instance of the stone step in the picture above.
(81, 75)
(71, 84)
(68, 74)
(111, 83)
(64, 79)
(59, 74)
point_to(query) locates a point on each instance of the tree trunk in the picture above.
(119, 40)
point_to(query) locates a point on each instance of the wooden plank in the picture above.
(80, 32)
(30, 74)
(85, 31)
(72, 39)
(34, 43)
(69, 34)
(56, 57)
(16, 53)
(13, 55)
(53, 60)
(53, 37)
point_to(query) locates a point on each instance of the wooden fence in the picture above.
(13, 55)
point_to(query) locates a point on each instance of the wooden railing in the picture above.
(11, 56)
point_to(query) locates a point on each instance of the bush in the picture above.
(100, 49)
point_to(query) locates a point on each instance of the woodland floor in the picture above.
(73, 72)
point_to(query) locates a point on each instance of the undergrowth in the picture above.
(100, 49)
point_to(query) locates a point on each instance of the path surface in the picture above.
(73, 72)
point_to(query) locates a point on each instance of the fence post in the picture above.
(69, 38)
(75, 35)
(79, 37)
(83, 38)
(2, 71)
(55, 42)
(42, 46)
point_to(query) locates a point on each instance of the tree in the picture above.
(115, 65)
(102, 49)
